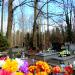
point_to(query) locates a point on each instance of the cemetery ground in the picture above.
(50, 57)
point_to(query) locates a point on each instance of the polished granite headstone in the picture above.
(56, 60)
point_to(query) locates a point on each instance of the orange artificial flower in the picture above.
(43, 66)
(32, 69)
(40, 67)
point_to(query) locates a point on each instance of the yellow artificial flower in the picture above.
(18, 73)
(41, 73)
(10, 65)
(29, 73)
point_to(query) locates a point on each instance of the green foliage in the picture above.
(18, 55)
(3, 43)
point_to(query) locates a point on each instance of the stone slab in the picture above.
(55, 60)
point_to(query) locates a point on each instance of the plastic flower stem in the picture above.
(34, 73)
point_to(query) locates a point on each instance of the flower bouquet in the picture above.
(40, 68)
(21, 67)
(68, 70)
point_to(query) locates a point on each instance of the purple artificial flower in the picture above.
(24, 67)
(26, 63)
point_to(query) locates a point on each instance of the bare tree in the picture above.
(68, 17)
(22, 24)
(36, 15)
(10, 20)
(35, 24)
(2, 17)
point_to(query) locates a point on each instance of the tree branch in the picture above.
(23, 3)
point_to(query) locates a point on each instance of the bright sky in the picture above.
(28, 11)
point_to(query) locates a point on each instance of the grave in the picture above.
(44, 56)
(56, 60)
(52, 58)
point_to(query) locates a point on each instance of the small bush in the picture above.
(3, 43)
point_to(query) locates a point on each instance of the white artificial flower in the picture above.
(20, 62)
(1, 62)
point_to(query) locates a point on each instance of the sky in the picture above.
(28, 11)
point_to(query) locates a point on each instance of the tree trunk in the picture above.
(35, 26)
(68, 20)
(2, 17)
(48, 33)
(9, 26)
